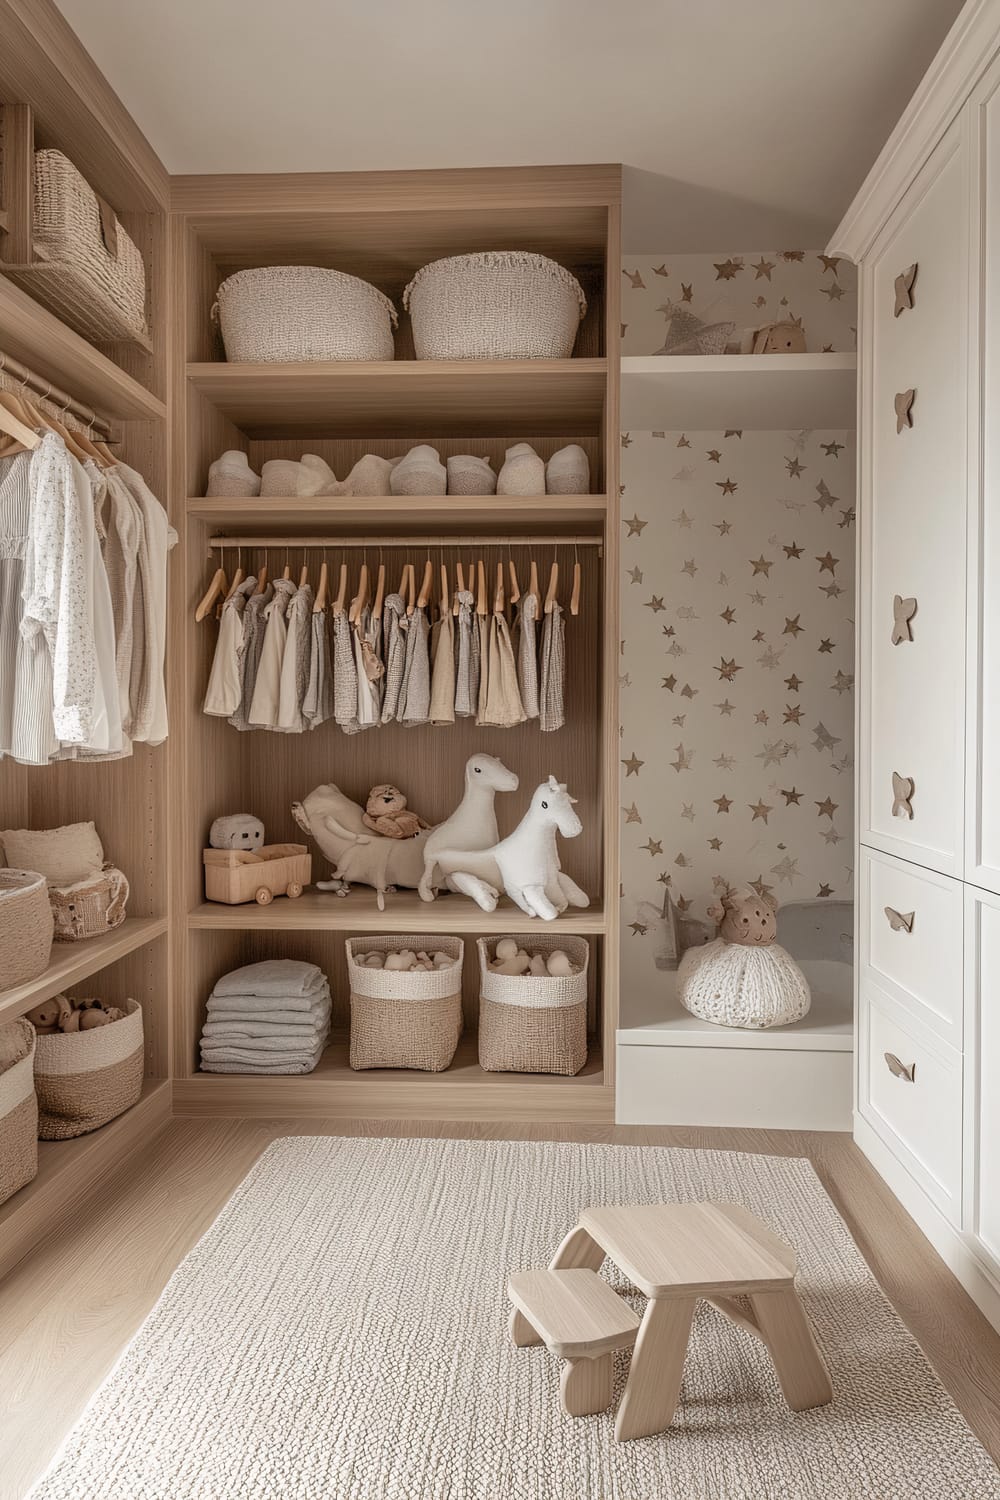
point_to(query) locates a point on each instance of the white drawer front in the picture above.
(911, 939)
(914, 493)
(910, 1092)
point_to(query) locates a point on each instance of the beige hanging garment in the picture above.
(443, 669)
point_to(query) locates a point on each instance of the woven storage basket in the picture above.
(401, 1019)
(283, 314)
(18, 1118)
(85, 1078)
(90, 907)
(85, 268)
(497, 304)
(530, 1024)
(25, 926)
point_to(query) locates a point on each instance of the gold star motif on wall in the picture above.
(793, 714)
(725, 270)
(714, 455)
(723, 803)
(793, 683)
(633, 765)
(661, 270)
(832, 450)
(824, 497)
(792, 797)
(687, 291)
(786, 869)
(828, 563)
(653, 847)
(729, 615)
(715, 844)
(687, 811)
(794, 551)
(690, 567)
(655, 604)
(626, 440)
(669, 683)
(638, 929)
(794, 467)
(834, 291)
(724, 762)
(792, 626)
(824, 890)
(635, 526)
(829, 262)
(683, 441)
(727, 670)
(825, 647)
(632, 814)
(761, 716)
(687, 691)
(843, 682)
(635, 575)
(723, 527)
(683, 520)
(683, 760)
(635, 280)
(761, 564)
(727, 486)
(763, 268)
(831, 590)
(760, 810)
(725, 708)
(824, 739)
(826, 808)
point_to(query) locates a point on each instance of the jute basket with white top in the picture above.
(529, 1023)
(26, 926)
(496, 304)
(18, 1115)
(402, 1018)
(86, 268)
(286, 314)
(85, 1078)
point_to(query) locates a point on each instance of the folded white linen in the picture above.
(279, 1045)
(259, 1059)
(305, 1066)
(282, 977)
(263, 1005)
(238, 1027)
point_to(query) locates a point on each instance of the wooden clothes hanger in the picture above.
(12, 423)
(459, 587)
(533, 583)
(216, 591)
(481, 588)
(444, 605)
(411, 589)
(323, 591)
(379, 592)
(574, 601)
(361, 597)
(338, 603)
(261, 578)
(515, 587)
(550, 595)
(425, 585)
(499, 597)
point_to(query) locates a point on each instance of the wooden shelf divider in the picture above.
(430, 513)
(72, 963)
(320, 911)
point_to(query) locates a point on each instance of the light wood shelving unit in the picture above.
(714, 391)
(51, 94)
(383, 227)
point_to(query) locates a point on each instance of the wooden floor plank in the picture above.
(68, 1310)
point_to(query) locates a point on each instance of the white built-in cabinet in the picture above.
(928, 931)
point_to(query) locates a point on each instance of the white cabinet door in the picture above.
(983, 840)
(913, 505)
(982, 1073)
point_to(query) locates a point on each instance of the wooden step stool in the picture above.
(674, 1253)
(578, 1317)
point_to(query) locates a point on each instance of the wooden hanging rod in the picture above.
(338, 543)
(46, 391)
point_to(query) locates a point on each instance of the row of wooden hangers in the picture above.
(221, 588)
(21, 419)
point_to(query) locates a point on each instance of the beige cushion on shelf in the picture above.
(63, 855)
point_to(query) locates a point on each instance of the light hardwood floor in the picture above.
(69, 1309)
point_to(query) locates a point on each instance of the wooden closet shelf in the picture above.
(319, 911)
(68, 1171)
(463, 1092)
(424, 513)
(71, 963)
(710, 392)
(408, 398)
(30, 333)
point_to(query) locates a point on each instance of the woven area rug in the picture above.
(340, 1334)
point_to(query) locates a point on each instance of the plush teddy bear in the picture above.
(780, 338)
(743, 977)
(386, 813)
(47, 1017)
(745, 917)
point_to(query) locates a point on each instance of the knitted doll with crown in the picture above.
(743, 977)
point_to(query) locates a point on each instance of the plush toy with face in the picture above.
(50, 1016)
(746, 918)
(781, 338)
(236, 831)
(386, 813)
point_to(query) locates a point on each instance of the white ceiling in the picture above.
(745, 122)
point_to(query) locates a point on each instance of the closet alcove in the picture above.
(383, 228)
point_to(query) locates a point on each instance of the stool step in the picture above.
(577, 1315)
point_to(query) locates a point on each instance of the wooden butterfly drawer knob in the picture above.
(899, 921)
(903, 611)
(902, 796)
(903, 288)
(903, 402)
(906, 1071)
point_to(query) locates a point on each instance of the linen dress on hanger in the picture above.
(369, 668)
(124, 537)
(225, 681)
(254, 626)
(394, 646)
(26, 730)
(553, 671)
(295, 661)
(415, 694)
(481, 636)
(527, 654)
(467, 658)
(267, 687)
(150, 706)
(503, 707)
(345, 675)
(317, 706)
(442, 709)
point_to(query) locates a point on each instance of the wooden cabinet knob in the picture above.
(906, 1071)
(903, 402)
(903, 611)
(903, 288)
(902, 796)
(899, 921)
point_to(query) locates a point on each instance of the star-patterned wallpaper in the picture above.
(736, 671)
(767, 286)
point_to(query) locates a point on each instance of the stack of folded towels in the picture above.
(271, 1017)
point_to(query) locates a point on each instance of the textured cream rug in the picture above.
(340, 1334)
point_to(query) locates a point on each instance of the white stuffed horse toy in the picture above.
(526, 864)
(473, 824)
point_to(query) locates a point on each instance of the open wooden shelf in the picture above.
(711, 392)
(415, 513)
(69, 1171)
(463, 1092)
(408, 398)
(33, 335)
(71, 963)
(322, 911)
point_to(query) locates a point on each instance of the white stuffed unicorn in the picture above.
(526, 864)
(473, 824)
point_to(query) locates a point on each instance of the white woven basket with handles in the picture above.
(496, 304)
(291, 314)
(533, 1023)
(404, 1018)
(86, 268)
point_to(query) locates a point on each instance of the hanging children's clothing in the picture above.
(369, 707)
(254, 626)
(317, 706)
(415, 694)
(442, 709)
(124, 531)
(267, 685)
(26, 686)
(527, 654)
(481, 636)
(149, 712)
(345, 675)
(553, 669)
(295, 661)
(503, 707)
(225, 682)
(394, 646)
(467, 658)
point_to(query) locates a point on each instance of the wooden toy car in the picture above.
(237, 875)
